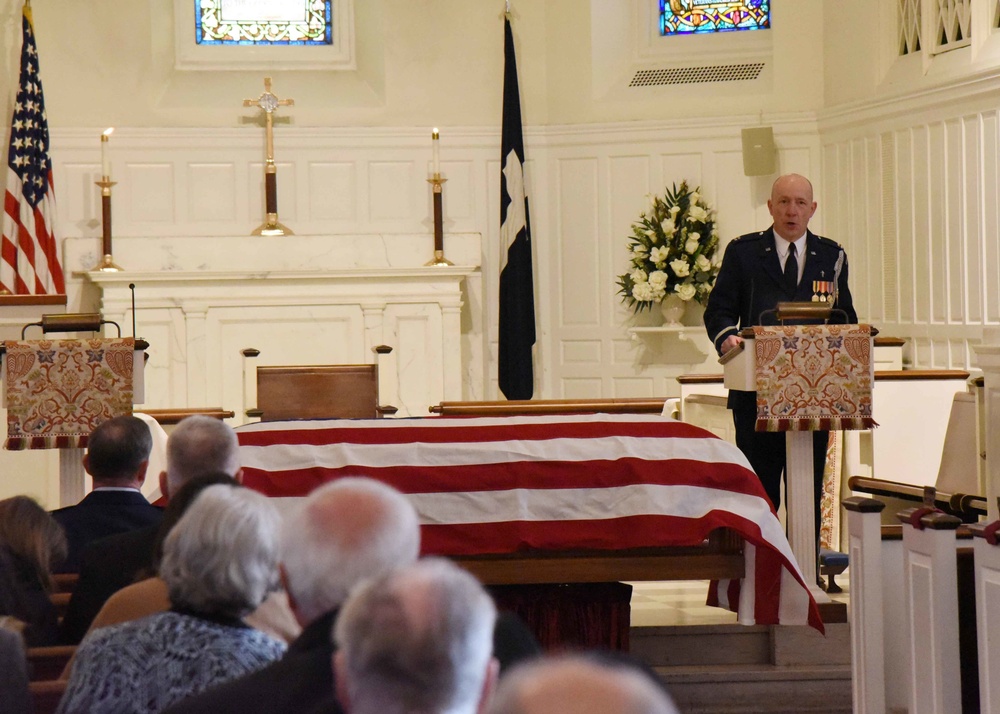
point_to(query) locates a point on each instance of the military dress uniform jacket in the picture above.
(751, 282)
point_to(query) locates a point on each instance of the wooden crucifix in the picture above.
(269, 103)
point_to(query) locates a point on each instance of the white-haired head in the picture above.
(200, 445)
(344, 532)
(580, 684)
(222, 556)
(417, 640)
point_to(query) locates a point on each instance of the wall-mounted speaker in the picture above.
(759, 152)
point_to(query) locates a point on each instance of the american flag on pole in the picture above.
(517, 292)
(494, 485)
(29, 255)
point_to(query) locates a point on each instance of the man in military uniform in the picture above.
(786, 262)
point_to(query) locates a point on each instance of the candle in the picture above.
(105, 158)
(437, 152)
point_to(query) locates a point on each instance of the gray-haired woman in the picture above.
(219, 563)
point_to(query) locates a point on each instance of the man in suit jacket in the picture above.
(117, 457)
(199, 445)
(752, 280)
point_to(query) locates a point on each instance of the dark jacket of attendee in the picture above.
(104, 512)
(23, 597)
(302, 680)
(107, 566)
(15, 697)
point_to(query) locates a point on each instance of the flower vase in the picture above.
(673, 308)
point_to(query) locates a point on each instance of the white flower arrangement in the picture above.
(673, 250)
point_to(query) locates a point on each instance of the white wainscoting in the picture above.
(913, 194)
(586, 185)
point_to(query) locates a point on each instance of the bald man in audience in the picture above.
(198, 446)
(581, 684)
(417, 641)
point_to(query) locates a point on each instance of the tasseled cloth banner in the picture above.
(58, 391)
(814, 377)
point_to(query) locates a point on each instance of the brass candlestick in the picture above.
(437, 184)
(106, 263)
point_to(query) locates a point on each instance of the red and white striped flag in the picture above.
(511, 484)
(29, 255)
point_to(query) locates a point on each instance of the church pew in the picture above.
(47, 663)
(64, 582)
(47, 694)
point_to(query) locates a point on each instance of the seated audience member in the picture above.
(581, 684)
(198, 446)
(219, 563)
(117, 457)
(31, 542)
(342, 533)
(149, 596)
(417, 641)
(14, 695)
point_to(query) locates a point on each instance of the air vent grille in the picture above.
(697, 75)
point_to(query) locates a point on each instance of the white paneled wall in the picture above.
(914, 198)
(586, 185)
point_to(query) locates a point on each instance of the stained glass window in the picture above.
(263, 22)
(688, 17)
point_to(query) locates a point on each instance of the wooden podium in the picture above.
(68, 433)
(741, 373)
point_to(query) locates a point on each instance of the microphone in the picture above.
(131, 286)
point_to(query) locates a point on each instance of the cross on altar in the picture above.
(269, 104)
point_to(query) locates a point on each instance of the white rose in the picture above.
(697, 213)
(651, 235)
(686, 291)
(702, 264)
(657, 279)
(659, 254)
(680, 267)
(668, 227)
(638, 276)
(692, 243)
(642, 292)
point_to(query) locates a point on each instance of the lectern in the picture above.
(57, 390)
(807, 378)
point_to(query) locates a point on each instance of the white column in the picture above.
(987, 557)
(800, 506)
(72, 477)
(864, 549)
(988, 355)
(930, 600)
(195, 318)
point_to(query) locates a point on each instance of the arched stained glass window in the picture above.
(688, 17)
(263, 22)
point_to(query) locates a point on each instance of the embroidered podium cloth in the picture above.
(514, 484)
(58, 391)
(813, 377)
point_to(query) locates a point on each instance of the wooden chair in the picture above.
(340, 391)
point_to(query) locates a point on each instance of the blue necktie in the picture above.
(791, 269)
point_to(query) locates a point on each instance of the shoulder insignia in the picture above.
(830, 242)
